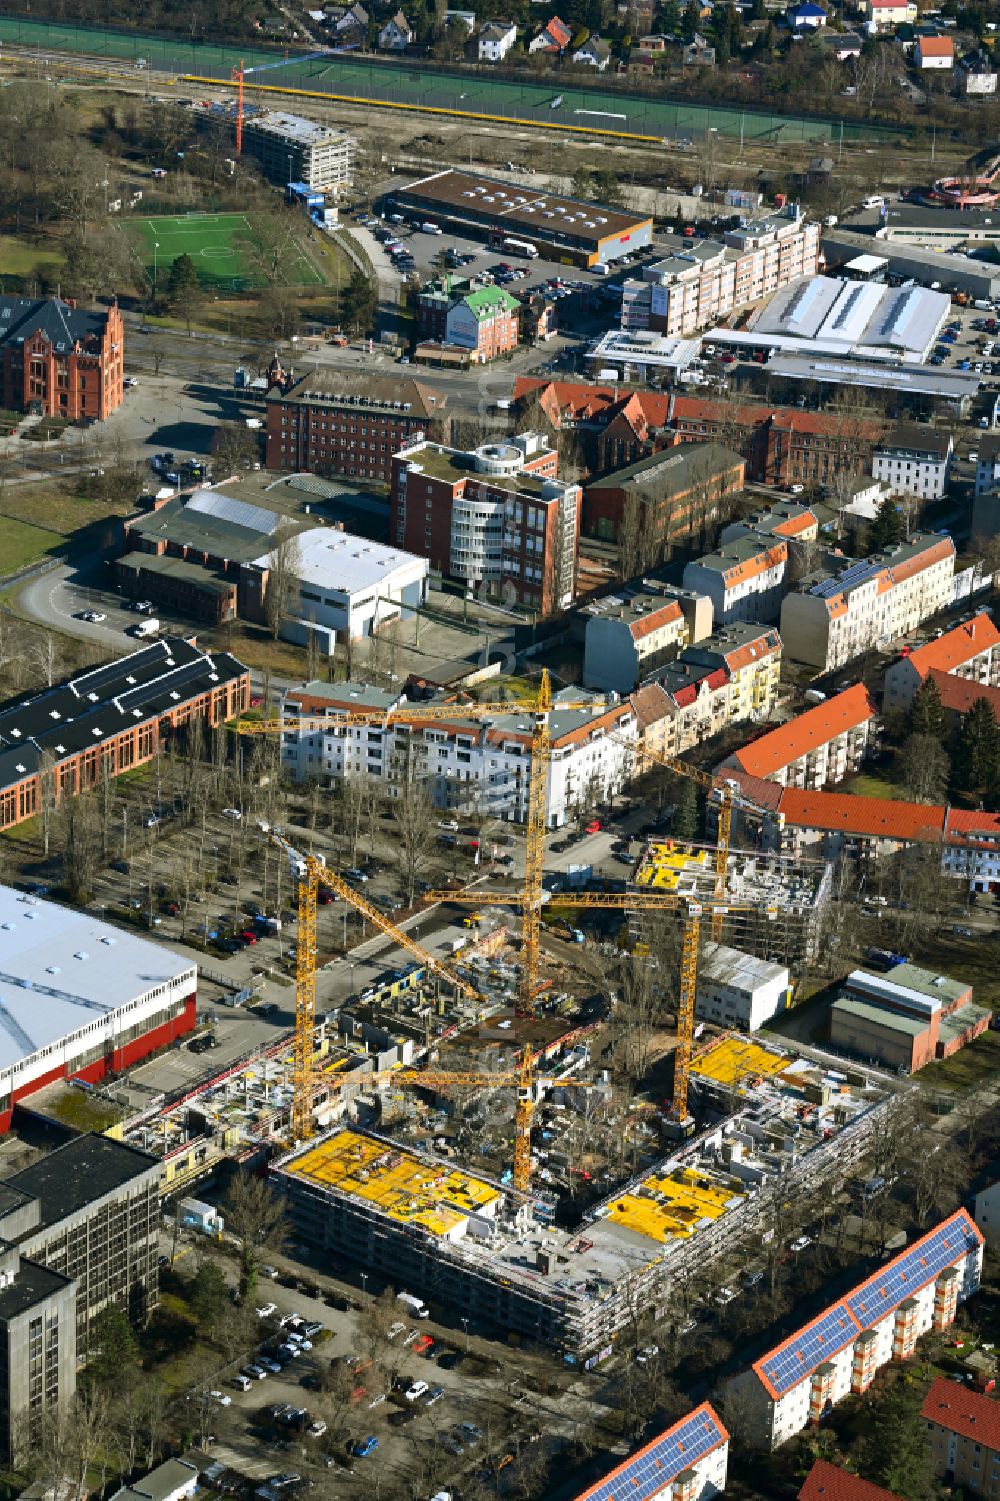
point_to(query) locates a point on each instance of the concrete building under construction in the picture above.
(478, 1249)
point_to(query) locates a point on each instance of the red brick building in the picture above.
(781, 445)
(678, 489)
(338, 423)
(117, 716)
(498, 519)
(59, 361)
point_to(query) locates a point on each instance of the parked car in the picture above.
(416, 1391)
(255, 1372)
(365, 1446)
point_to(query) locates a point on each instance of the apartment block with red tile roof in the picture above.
(816, 748)
(827, 1482)
(745, 579)
(963, 1436)
(970, 650)
(788, 519)
(839, 1352)
(831, 618)
(959, 695)
(635, 631)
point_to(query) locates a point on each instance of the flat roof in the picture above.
(641, 346)
(79, 1173)
(728, 966)
(913, 978)
(888, 375)
(61, 969)
(867, 265)
(671, 471)
(31, 1283)
(521, 207)
(454, 464)
(167, 566)
(881, 1016)
(332, 559)
(733, 1059)
(295, 128)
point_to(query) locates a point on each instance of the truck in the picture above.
(430, 228)
(416, 1307)
(144, 628)
(519, 247)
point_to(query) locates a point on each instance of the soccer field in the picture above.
(220, 246)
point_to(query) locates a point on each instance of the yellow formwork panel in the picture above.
(401, 1185)
(734, 1060)
(671, 1207)
(667, 863)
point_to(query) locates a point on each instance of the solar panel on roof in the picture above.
(658, 1464)
(807, 1349)
(911, 1271)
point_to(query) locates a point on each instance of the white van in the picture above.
(416, 1306)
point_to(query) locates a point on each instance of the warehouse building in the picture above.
(840, 1352)
(905, 1018)
(951, 273)
(80, 998)
(510, 216)
(292, 149)
(828, 316)
(111, 719)
(687, 1462)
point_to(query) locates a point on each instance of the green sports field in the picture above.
(222, 248)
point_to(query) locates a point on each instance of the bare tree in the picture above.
(256, 1219)
(284, 566)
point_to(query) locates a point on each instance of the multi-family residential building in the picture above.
(963, 1436)
(467, 764)
(60, 361)
(970, 650)
(702, 281)
(630, 634)
(744, 578)
(290, 148)
(817, 748)
(37, 1351)
(915, 459)
(110, 719)
(727, 679)
(331, 422)
(987, 463)
(497, 519)
(686, 1462)
(840, 1351)
(495, 41)
(674, 491)
(740, 990)
(830, 618)
(485, 321)
(886, 15)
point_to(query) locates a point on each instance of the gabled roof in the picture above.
(817, 726)
(867, 817)
(969, 1414)
(936, 46)
(62, 325)
(657, 1464)
(649, 705)
(827, 1482)
(795, 1359)
(957, 646)
(959, 694)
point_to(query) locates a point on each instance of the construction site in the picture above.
(478, 1248)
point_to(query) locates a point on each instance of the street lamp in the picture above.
(156, 246)
(465, 1326)
(364, 1284)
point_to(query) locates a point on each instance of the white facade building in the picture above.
(739, 990)
(704, 280)
(988, 464)
(495, 41)
(744, 579)
(687, 1462)
(347, 585)
(970, 650)
(840, 1351)
(915, 459)
(466, 764)
(815, 749)
(831, 618)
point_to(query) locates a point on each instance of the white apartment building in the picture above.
(815, 749)
(687, 1462)
(839, 1352)
(988, 464)
(786, 519)
(704, 280)
(729, 678)
(830, 618)
(467, 764)
(914, 459)
(739, 990)
(744, 579)
(971, 650)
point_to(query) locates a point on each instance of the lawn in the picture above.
(22, 544)
(55, 506)
(217, 243)
(972, 1066)
(870, 784)
(21, 256)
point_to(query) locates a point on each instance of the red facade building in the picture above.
(333, 422)
(59, 361)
